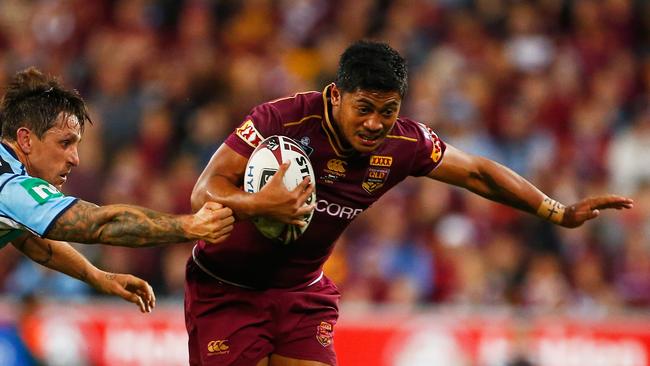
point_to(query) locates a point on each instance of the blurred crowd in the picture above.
(557, 90)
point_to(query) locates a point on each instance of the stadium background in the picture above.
(557, 90)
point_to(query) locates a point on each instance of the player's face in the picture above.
(365, 117)
(53, 156)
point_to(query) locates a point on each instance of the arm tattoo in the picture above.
(48, 255)
(110, 276)
(124, 225)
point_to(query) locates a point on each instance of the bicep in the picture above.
(457, 167)
(226, 167)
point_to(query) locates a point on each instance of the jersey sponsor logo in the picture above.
(436, 151)
(249, 134)
(304, 142)
(40, 190)
(375, 179)
(336, 166)
(336, 210)
(334, 170)
(428, 132)
(378, 160)
(324, 334)
(219, 347)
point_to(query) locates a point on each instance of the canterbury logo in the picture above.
(218, 346)
(336, 165)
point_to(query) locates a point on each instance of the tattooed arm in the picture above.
(133, 226)
(62, 257)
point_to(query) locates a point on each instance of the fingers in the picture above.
(138, 291)
(132, 297)
(141, 305)
(211, 205)
(611, 201)
(148, 297)
(304, 186)
(225, 214)
(282, 171)
(223, 233)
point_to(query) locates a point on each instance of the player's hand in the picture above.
(589, 208)
(277, 202)
(128, 287)
(212, 223)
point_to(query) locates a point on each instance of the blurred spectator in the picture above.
(557, 90)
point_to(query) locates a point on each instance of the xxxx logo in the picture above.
(249, 133)
(378, 160)
(218, 347)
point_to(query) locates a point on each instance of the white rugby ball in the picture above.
(263, 163)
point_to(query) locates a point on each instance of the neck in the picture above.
(22, 157)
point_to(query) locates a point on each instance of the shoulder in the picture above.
(298, 107)
(408, 130)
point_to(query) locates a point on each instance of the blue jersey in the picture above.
(27, 204)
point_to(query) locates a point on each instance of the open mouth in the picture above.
(369, 140)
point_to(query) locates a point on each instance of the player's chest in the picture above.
(358, 180)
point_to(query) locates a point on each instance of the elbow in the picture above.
(197, 199)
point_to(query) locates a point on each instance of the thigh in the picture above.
(277, 360)
(226, 325)
(306, 325)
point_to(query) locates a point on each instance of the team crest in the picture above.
(249, 133)
(375, 179)
(324, 334)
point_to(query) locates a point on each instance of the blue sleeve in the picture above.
(32, 203)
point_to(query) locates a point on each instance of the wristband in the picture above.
(551, 210)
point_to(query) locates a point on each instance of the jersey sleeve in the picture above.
(429, 153)
(32, 203)
(262, 122)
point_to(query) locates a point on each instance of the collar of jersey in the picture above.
(10, 150)
(330, 130)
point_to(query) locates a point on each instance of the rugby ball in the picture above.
(263, 163)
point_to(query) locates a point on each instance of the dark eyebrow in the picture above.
(369, 102)
(70, 136)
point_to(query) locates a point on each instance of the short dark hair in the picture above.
(369, 65)
(34, 100)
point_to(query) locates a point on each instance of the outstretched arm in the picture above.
(133, 226)
(62, 257)
(222, 177)
(498, 183)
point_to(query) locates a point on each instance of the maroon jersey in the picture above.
(347, 183)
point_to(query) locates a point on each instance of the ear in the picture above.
(24, 139)
(335, 96)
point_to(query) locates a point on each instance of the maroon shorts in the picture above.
(230, 325)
